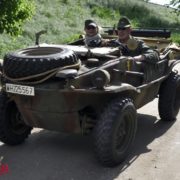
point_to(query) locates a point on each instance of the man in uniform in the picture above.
(130, 46)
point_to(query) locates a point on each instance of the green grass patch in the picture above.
(176, 37)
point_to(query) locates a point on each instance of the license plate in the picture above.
(19, 89)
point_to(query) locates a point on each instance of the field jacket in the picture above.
(142, 49)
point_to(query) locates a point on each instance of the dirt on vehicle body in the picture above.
(76, 89)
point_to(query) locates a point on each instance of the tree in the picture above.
(176, 4)
(13, 13)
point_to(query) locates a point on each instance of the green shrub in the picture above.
(13, 14)
(102, 12)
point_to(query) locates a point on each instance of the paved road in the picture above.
(52, 156)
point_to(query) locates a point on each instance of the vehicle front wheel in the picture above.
(115, 131)
(13, 130)
(169, 98)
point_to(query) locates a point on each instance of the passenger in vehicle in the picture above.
(130, 46)
(92, 35)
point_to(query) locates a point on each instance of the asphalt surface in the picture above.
(48, 155)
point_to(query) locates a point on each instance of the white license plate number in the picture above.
(19, 89)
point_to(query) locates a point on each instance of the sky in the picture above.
(160, 1)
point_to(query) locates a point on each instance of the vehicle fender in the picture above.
(175, 65)
(1, 64)
(124, 88)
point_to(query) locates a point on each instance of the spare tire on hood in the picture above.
(37, 60)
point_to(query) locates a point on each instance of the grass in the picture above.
(176, 38)
(64, 20)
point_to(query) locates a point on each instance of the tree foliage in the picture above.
(176, 4)
(13, 13)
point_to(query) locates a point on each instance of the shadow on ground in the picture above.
(50, 155)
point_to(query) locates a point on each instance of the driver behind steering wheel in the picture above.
(130, 46)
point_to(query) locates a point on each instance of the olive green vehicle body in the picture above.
(72, 103)
(63, 105)
(80, 90)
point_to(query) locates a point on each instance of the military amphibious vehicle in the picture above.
(77, 89)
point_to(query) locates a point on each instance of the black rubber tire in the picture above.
(36, 60)
(117, 122)
(13, 131)
(169, 98)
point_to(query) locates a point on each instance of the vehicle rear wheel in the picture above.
(36, 60)
(115, 131)
(13, 130)
(169, 98)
